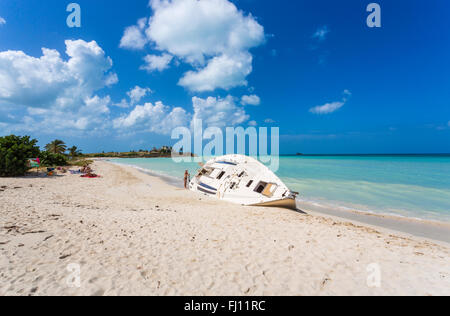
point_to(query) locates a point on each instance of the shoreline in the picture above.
(433, 230)
(172, 181)
(430, 230)
(131, 233)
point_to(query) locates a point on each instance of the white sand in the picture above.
(133, 234)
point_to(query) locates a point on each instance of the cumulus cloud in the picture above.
(91, 117)
(250, 100)
(218, 112)
(331, 107)
(156, 118)
(224, 72)
(122, 104)
(269, 121)
(2, 21)
(162, 119)
(137, 93)
(111, 79)
(57, 93)
(50, 81)
(211, 35)
(134, 37)
(321, 33)
(195, 29)
(155, 62)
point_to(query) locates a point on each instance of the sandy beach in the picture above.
(130, 233)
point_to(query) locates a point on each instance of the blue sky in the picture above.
(312, 68)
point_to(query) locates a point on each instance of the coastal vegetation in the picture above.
(163, 152)
(56, 147)
(74, 152)
(15, 152)
(49, 159)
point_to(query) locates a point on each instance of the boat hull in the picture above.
(284, 203)
(242, 180)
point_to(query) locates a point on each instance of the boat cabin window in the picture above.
(232, 186)
(241, 174)
(270, 189)
(220, 176)
(249, 184)
(206, 172)
(261, 187)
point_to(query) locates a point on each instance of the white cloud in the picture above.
(223, 72)
(91, 117)
(269, 121)
(111, 79)
(137, 93)
(448, 124)
(218, 112)
(327, 108)
(210, 35)
(161, 119)
(194, 29)
(122, 104)
(157, 118)
(142, 23)
(49, 81)
(331, 107)
(321, 33)
(252, 123)
(57, 94)
(2, 21)
(347, 93)
(155, 62)
(53, 94)
(250, 100)
(134, 37)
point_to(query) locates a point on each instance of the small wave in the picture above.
(363, 209)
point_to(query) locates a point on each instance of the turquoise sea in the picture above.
(415, 186)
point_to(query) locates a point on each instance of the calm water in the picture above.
(412, 186)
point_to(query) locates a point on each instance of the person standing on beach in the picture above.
(186, 179)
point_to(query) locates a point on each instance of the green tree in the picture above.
(49, 159)
(165, 150)
(74, 151)
(56, 147)
(14, 152)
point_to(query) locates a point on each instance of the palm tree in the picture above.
(166, 150)
(74, 151)
(56, 147)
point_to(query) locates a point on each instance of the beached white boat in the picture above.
(242, 180)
